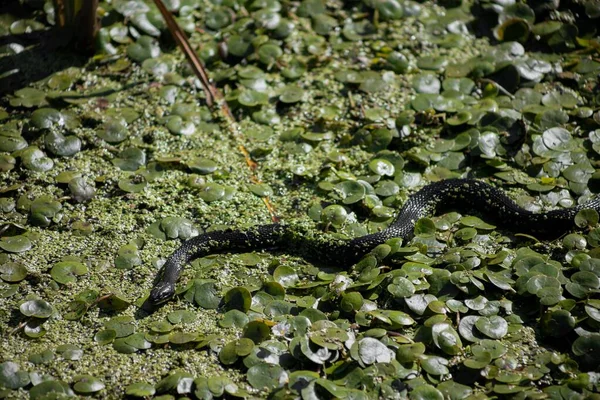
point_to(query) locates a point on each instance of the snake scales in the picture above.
(460, 194)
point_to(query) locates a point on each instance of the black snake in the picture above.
(461, 194)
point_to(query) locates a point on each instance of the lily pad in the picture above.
(66, 272)
(15, 244)
(36, 308)
(13, 272)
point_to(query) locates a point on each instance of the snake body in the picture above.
(459, 194)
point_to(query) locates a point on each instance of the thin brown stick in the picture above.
(213, 95)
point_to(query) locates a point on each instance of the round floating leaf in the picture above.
(397, 62)
(36, 308)
(105, 336)
(446, 338)
(130, 159)
(514, 29)
(494, 326)
(218, 19)
(13, 272)
(24, 26)
(350, 191)
(113, 131)
(257, 331)
(207, 295)
(178, 126)
(269, 53)
(212, 192)
(261, 189)
(144, 47)
(69, 352)
(43, 210)
(34, 328)
(587, 348)
(181, 317)
(586, 218)
(334, 214)
(7, 290)
(401, 287)
(81, 190)
(557, 323)
(238, 298)
(15, 244)
(178, 381)
(586, 279)
(291, 94)
(286, 276)
(122, 325)
(161, 327)
(28, 97)
(133, 184)
(267, 376)
(372, 83)
(44, 357)
(138, 341)
(388, 9)
(382, 167)
(371, 351)
(202, 166)
(11, 377)
(113, 302)
(46, 389)
(294, 69)
(59, 145)
(140, 389)
(558, 139)
(128, 257)
(180, 338)
(66, 272)
(176, 227)
(35, 160)
(434, 365)
(46, 118)
(228, 355)
(454, 391)
(351, 301)
(427, 83)
(234, 318)
(10, 142)
(425, 227)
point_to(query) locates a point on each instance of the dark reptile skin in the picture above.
(458, 194)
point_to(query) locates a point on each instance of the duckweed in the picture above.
(447, 314)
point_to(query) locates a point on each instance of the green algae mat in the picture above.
(341, 111)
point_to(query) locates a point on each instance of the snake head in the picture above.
(161, 292)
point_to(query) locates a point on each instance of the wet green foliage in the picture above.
(347, 108)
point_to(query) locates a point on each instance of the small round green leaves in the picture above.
(140, 389)
(372, 351)
(11, 377)
(494, 326)
(238, 298)
(128, 257)
(173, 228)
(12, 272)
(36, 308)
(66, 272)
(268, 376)
(15, 244)
(350, 191)
(587, 348)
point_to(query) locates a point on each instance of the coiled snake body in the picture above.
(460, 194)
